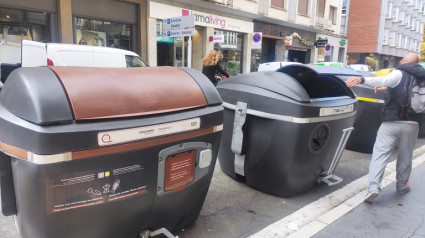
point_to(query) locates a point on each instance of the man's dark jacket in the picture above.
(395, 106)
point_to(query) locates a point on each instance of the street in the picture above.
(234, 210)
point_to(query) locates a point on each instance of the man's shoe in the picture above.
(405, 189)
(371, 196)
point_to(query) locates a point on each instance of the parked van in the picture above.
(57, 54)
(34, 54)
(273, 66)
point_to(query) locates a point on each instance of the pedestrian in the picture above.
(210, 66)
(398, 126)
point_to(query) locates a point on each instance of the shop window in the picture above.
(103, 33)
(303, 7)
(170, 51)
(230, 51)
(278, 3)
(18, 25)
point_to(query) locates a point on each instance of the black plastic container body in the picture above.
(286, 143)
(368, 117)
(66, 183)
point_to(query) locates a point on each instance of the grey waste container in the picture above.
(284, 131)
(103, 152)
(368, 117)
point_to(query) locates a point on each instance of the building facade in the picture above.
(381, 34)
(289, 28)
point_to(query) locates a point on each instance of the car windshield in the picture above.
(134, 61)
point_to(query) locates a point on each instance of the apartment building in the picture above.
(384, 31)
(290, 28)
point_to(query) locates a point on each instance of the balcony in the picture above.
(323, 23)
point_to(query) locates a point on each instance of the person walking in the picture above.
(398, 126)
(210, 66)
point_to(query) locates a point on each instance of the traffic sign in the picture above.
(327, 47)
(257, 38)
(179, 26)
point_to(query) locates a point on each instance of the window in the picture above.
(321, 8)
(407, 23)
(134, 61)
(303, 7)
(399, 39)
(413, 23)
(18, 25)
(421, 31)
(332, 14)
(344, 7)
(385, 40)
(391, 40)
(278, 3)
(401, 17)
(396, 14)
(406, 40)
(417, 26)
(103, 33)
(388, 14)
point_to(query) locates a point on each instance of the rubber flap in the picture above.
(96, 93)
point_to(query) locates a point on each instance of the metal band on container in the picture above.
(289, 118)
(370, 100)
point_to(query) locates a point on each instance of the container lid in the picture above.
(299, 82)
(43, 95)
(96, 93)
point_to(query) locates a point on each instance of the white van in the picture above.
(57, 54)
(273, 66)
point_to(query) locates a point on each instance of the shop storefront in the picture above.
(105, 23)
(233, 34)
(282, 43)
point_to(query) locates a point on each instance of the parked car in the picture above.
(332, 64)
(360, 67)
(273, 66)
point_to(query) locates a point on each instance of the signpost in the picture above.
(257, 38)
(180, 27)
(328, 50)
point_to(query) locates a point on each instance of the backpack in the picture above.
(416, 95)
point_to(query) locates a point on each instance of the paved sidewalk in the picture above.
(393, 215)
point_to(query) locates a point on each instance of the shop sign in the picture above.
(257, 39)
(217, 38)
(163, 11)
(178, 26)
(321, 43)
(288, 40)
(160, 38)
(303, 41)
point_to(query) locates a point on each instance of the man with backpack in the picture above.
(399, 124)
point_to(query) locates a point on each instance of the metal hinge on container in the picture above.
(149, 233)
(237, 137)
(329, 178)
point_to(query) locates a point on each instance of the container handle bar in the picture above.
(237, 137)
(337, 157)
(149, 233)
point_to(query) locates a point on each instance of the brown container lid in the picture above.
(96, 93)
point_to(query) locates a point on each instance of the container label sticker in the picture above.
(93, 188)
(133, 134)
(329, 111)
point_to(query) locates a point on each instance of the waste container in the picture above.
(283, 131)
(103, 152)
(368, 117)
